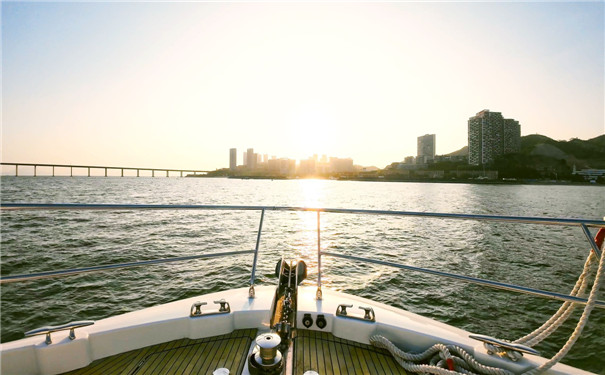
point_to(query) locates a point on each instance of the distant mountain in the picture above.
(543, 157)
(583, 153)
(462, 152)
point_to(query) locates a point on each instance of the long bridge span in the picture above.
(101, 167)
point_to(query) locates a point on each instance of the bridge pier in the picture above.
(88, 168)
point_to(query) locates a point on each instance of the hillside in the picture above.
(462, 152)
(536, 144)
(584, 154)
(543, 157)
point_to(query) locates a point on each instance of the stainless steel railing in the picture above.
(109, 267)
(584, 224)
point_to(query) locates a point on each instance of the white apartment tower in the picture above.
(426, 148)
(491, 135)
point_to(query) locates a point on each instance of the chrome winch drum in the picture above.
(266, 358)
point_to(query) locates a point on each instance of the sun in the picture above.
(314, 131)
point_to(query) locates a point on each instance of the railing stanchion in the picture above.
(318, 294)
(260, 228)
(591, 240)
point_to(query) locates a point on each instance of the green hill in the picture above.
(585, 154)
(544, 157)
(462, 152)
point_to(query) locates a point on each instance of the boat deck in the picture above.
(328, 355)
(183, 356)
(318, 351)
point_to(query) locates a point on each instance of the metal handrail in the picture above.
(108, 267)
(514, 219)
(472, 280)
(582, 223)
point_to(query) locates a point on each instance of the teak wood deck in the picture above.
(318, 351)
(328, 355)
(183, 356)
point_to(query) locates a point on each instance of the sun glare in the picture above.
(312, 193)
(314, 132)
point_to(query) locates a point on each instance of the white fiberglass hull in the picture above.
(171, 321)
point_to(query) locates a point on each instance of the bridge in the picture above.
(101, 167)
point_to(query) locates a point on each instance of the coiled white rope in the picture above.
(441, 357)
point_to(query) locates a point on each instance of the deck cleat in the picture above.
(502, 348)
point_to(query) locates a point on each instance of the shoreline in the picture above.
(431, 181)
(361, 179)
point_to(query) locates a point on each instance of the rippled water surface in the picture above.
(541, 257)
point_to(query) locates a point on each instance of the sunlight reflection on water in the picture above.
(545, 258)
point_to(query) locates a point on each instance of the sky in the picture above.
(175, 85)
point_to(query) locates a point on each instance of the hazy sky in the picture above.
(175, 85)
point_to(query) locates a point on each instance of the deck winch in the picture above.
(267, 357)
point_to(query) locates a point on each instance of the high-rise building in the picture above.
(307, 167)
(338, 165)
(512, 136)
(251, 156)
(426, 148)
(232, 159)
(282, 166)
(491, 135)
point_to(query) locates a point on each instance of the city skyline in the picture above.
(315, 164)
(176, 84)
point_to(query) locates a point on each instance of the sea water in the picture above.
(543, 257)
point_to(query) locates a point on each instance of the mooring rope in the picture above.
(564, 311)
(592, 299)
(453, 360)
(440, 356)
